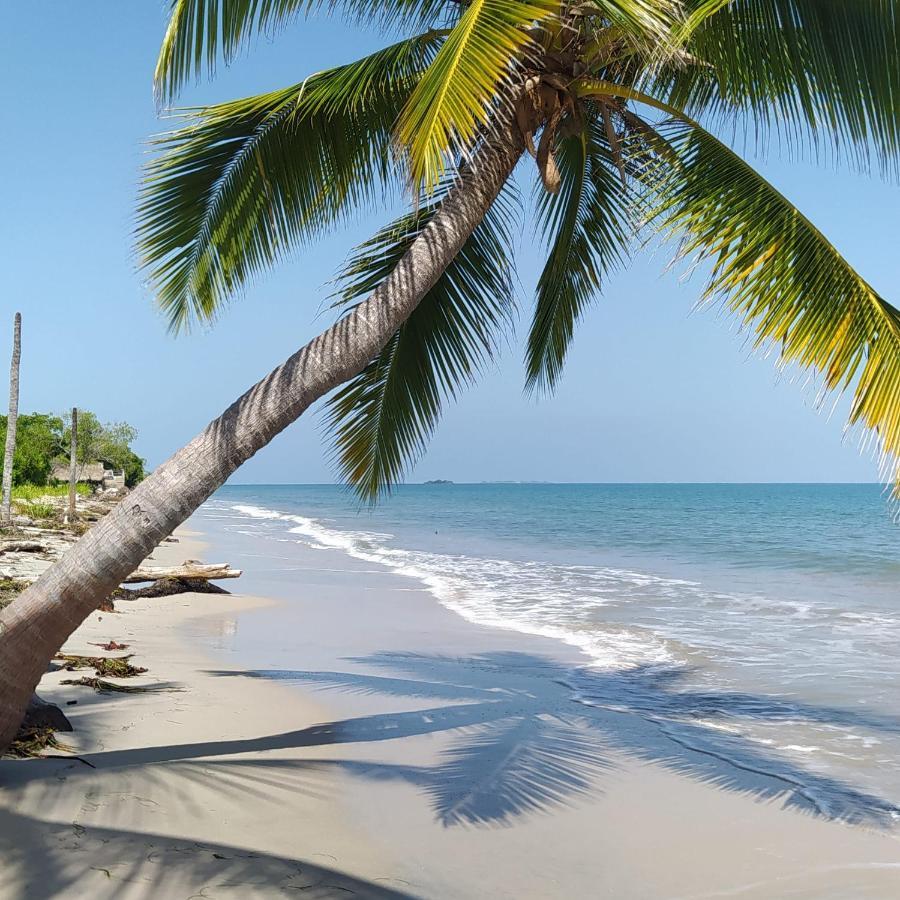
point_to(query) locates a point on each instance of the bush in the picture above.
(38, 441)
(133, 467)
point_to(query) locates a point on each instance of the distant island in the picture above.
(439, 481)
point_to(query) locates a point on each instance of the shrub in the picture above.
(38, 441)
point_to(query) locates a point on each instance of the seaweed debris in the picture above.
(32, 741)
(112, 666)
(108, 687)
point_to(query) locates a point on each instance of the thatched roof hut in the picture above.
(91, 473)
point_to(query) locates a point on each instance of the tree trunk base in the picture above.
(41, 714)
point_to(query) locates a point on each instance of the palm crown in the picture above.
(609, 96)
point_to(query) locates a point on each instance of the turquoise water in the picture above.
(787, 593)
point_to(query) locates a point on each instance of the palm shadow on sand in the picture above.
(59, 859)
(526, 734)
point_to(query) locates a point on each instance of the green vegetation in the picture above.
(42, 441)
(34, 509)
(29, 492)
(109, 443)
(38, 443)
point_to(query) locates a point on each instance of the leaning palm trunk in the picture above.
(11, 423)
(35, 626)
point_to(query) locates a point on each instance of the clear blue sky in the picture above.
(653, 392)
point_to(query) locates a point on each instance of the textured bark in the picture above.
(11, 421)
(35, 626)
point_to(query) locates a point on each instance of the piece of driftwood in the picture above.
(189, 570)
(22, 547)
(111, 645)
(166, 587)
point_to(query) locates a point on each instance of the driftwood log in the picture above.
(22, 547)
(189, 570)
(165, 587)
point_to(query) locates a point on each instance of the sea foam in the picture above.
(533, 598)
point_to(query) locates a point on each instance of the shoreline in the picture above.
(388, 747)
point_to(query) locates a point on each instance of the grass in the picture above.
(35, 509)
(35, 500)
(36, 491)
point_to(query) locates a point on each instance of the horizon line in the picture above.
(451, 482)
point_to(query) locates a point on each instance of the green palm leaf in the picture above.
(246, 181)
(825, 69)
(588, 233)
(650, 21)
(201, 32)
(780, 276)
(382, 419)
(459, 90)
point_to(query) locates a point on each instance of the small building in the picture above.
(95, 474)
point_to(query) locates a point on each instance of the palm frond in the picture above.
(456, 95)
(382, 419)
(515, 766)
(781, 277)
(651, 21)
(370, 685)
(202, 32)
(822, 72)
(587, 231)
(246, 181)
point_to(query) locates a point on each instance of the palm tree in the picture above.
(11, 422)
(617, 101)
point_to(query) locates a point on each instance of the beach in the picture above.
(501, 403)
(334, 730)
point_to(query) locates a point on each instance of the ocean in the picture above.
(770, 612)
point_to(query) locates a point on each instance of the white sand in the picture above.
(137, 828)
(232, 787)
